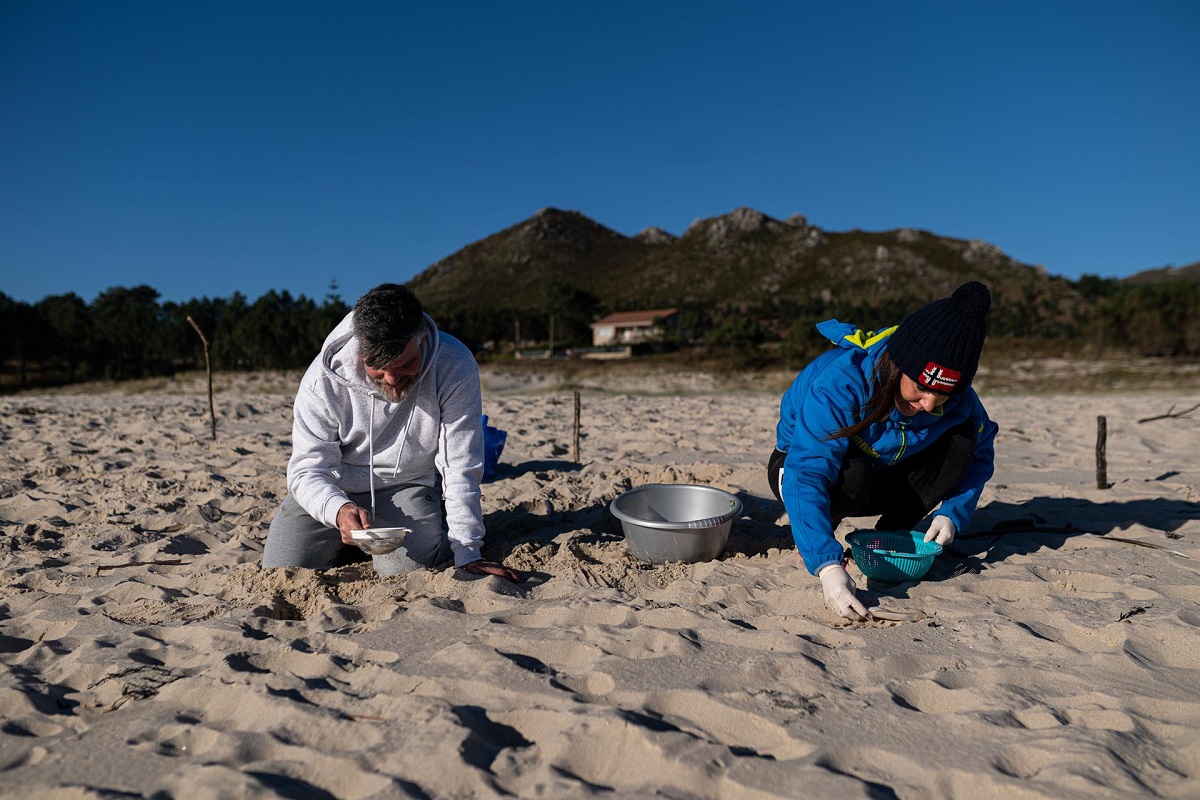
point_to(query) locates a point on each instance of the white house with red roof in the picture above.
(631, 327)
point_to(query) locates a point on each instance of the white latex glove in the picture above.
(941, 529)
(838, 587)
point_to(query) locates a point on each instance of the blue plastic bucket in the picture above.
(493, 446)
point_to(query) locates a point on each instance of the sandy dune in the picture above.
(144, 653)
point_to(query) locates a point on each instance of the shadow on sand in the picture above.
(1001, 530)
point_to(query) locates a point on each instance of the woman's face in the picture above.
(912, 398)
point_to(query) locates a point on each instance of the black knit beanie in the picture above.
(938, 345)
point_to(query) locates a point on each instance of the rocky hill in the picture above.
(1189, 272)
(743, 259)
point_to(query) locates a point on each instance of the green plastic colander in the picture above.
(892, 556)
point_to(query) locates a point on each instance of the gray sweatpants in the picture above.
(297, 540)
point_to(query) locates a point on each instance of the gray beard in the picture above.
(390, 393)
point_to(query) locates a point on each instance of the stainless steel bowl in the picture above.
(676, 522)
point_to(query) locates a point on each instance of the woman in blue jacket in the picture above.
(886, 423)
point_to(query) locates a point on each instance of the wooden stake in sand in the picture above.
(577, 427)
(212, 415)
(1101, 457)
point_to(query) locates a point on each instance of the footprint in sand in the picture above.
(16, 758)
(588, 686)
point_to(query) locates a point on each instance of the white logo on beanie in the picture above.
(937, 378)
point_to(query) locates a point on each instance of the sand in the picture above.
(144, 653)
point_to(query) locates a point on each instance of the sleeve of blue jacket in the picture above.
(812, 465)
(961, 507)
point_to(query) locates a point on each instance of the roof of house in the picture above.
(635, 318)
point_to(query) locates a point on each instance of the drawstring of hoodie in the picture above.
(371, 443)
(411, 408)
(371, 459)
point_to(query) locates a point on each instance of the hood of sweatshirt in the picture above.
(341, 357)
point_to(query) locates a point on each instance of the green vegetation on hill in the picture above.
(742, 280)
(1144, 317)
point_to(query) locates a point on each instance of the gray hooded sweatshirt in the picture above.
(348, 437)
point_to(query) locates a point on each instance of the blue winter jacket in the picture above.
(832, 393)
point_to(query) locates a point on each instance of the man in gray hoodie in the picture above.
(387, 431)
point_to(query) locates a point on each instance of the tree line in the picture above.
(1148, 319)
(128, 333)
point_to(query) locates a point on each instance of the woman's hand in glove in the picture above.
(838, 588)
(941, 529)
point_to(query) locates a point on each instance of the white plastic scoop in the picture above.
(379, 541)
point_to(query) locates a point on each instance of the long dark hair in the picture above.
(886, 384)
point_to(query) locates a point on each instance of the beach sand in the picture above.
(144, 653)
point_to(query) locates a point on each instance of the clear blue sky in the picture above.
(211, 147)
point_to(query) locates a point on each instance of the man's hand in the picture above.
(352, 518)
(482, 567)
(838, 588)
(941, 529)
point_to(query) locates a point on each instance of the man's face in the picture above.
(912, 398)
(394, 380)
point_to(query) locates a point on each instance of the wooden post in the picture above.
(577, 427)
(212, 416)
(550, 352)
(1101, 457)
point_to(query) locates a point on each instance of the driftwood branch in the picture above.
(1170, 415)
(1140, 543)
(212, 414)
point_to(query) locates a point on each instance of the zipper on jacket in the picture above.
(903, 445)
